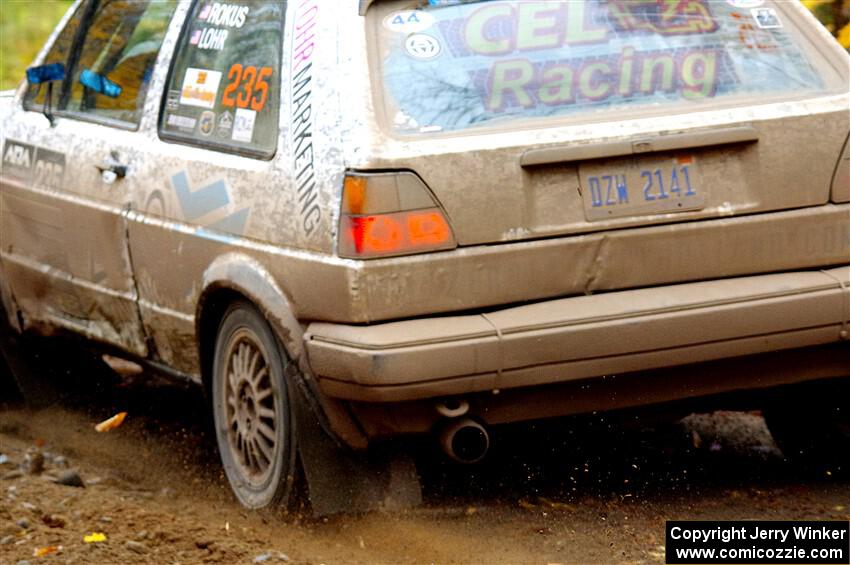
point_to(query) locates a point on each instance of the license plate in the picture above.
(639, 187)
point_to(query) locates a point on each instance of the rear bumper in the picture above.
(580, 337)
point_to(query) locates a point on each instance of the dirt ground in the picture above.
(589, 491)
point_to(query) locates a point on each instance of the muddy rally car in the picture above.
(356, 221)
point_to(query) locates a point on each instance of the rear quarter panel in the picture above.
(199, 204)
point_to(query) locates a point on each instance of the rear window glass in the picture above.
(453, 64)
(224, 87)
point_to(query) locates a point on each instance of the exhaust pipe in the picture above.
(465, 441)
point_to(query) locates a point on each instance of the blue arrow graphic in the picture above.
(202, 201)
(198, 203)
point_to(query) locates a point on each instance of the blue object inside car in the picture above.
(99, 83)
(46, 73)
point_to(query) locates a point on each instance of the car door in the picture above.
(66, 181)
(216, 175)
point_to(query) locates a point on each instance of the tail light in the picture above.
(386, 214)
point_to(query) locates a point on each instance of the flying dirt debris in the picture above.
(111, 423)
(154, 491)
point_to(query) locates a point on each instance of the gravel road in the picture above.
(577, 491)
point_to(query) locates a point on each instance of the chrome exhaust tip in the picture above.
(465, 441)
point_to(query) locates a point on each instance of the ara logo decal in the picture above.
(205, 205)
(17, 154)
(39, 166)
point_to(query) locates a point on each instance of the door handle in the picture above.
(111, 170)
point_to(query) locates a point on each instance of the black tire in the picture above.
(811, 425)
(252, 407)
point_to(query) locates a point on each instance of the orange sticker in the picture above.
(248, 87)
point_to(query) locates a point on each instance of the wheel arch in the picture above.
(236, 276)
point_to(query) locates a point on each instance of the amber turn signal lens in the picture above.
(354, 192)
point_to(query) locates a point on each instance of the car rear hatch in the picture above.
(541, 119)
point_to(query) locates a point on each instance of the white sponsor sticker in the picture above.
(182, 122)
(173, 100)
(221, 14)
(225, 124)
(745, 3)
(209, 38)
(408, 21)
(243, 125)
(200, 88)
(422, 46)
(766, 18)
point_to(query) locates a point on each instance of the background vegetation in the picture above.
(835, 15)
(24, 27)
(26, 24)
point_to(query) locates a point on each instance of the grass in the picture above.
(24, 27)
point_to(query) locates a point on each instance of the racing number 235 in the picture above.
(248, 87)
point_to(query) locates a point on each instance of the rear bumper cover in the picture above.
(580, 337)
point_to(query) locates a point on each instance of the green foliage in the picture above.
(24, 27)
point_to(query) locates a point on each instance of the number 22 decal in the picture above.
(254, 89)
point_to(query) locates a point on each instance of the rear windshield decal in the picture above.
(422, 46)
(500, 60)
(409, 21)
(766, 18)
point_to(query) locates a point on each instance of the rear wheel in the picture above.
(252, 408)
(811, 425)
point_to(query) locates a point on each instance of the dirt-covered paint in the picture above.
(132, 261)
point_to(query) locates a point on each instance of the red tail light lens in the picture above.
(376, 234)
(373, 222)
(428, 228)
(402, 232)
